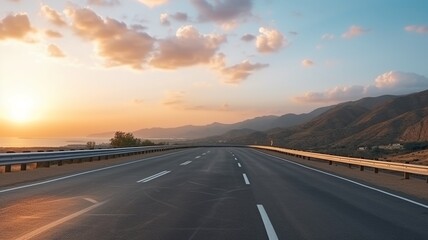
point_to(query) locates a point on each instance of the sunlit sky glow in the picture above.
(72, 68)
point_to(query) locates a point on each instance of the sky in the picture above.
(77, 67)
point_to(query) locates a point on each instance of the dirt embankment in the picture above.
(419, 157)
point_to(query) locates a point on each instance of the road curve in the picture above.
(208, 193)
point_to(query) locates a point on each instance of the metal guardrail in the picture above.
(44, 159)
(393, 166)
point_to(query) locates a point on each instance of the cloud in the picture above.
(55, 51)
(335, 94)
(354, 31)
(327, 36)
(393, 82)
(173, 98)
(15, 27)
(114, 41)
(53, 34)
(188, 47)
(153, 3)
(248, 38)
(237, 73)
(222, 11)
(270, 40)
(53, 16)
(138, 27)
(104, 2)
(178, 16)
(222, 108)
(417, 29)
(139, 101)
(164, 19)
(307, 63)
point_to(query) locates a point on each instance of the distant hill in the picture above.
(190, 132)
(366, 122)
(256, 124)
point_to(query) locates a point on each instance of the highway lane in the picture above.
(202, 199)
(207, 193)
(308, 204)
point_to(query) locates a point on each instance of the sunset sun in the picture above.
(21, 109)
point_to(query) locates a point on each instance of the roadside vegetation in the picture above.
(122, 139)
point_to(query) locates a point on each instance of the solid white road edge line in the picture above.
(147, 179)
(268, 225)
(58, 222)
(351, 181)
(246, 179)
(82, 173)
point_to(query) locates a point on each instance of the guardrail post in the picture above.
(330, 162)
(361, 168)
(8, 168)
(60, 163)
(376, 170)
(406, 175)
(43, 164)
(23, 166)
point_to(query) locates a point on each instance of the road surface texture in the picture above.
(207, 193)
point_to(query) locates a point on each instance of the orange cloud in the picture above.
(15, 26)
(354, 31)
(417, 29)
(188, 47)
(153, 3)
(237, 73)
(173, 98)
(55, 51)
(114, 41)
(307, 63)
(53, 16)
(270, 40)
(103, 2)
(53, 34)
(164, 19)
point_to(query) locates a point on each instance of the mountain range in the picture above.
(366, 122)
(369, 121)
(189, 132)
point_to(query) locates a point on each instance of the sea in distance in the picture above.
(49, 142)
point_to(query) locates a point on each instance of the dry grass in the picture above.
(419, 157)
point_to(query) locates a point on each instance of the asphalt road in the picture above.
(207, 193)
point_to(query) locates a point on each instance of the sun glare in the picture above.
(21, 109)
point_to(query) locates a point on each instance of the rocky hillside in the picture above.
(366, 122)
